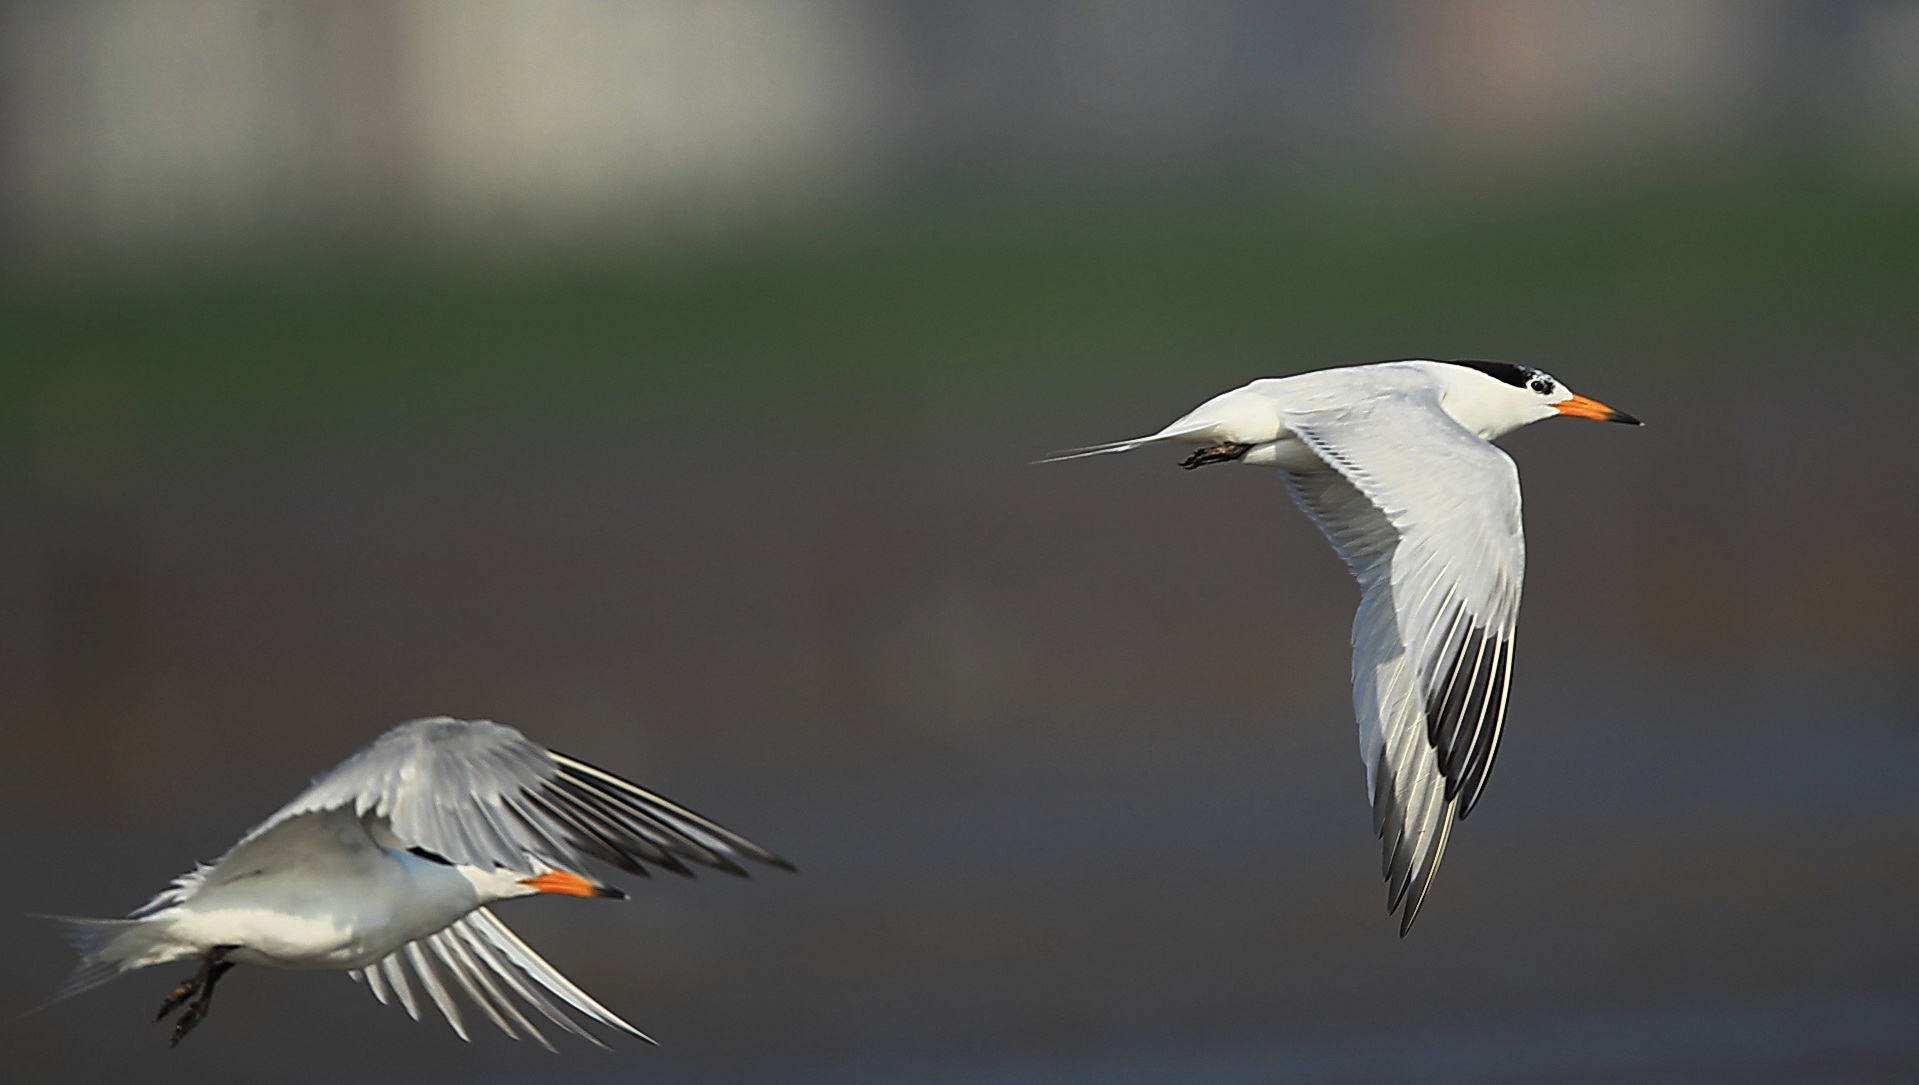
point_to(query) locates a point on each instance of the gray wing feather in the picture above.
(448, 952)
(1426, 516)
(395, 974)
(375, 982)
(176, 891)
(481, 794)
(435, 989)
(491, 967)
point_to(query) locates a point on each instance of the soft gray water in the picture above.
(1063, 753)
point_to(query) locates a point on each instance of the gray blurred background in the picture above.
(662, 378)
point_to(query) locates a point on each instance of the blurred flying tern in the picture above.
(1394, 463)
(387, 864)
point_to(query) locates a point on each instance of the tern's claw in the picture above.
(1220, 453)
(202, 983)
(180, 994)
(194, 1015)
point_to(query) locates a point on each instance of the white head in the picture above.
(1495, 398)
(502, 884)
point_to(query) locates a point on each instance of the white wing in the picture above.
(1426, 515)
(479, 793)
(176, 891)
(489, 963)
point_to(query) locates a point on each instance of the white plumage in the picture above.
(384, 868)
(1394, 463)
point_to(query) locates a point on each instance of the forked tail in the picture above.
(106, 946)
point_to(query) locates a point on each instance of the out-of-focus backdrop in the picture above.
(662, 378)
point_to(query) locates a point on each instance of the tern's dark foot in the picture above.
(180, 994)
(196, 1013)
(202, 983)
(1220, 453)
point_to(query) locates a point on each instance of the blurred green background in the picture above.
(1067, 290)
(663, 379)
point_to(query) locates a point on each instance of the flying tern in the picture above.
(386, 865)
(1394, 462)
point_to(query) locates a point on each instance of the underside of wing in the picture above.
(499, 975)
(1439, 567)
(619, 822)
(481, 794)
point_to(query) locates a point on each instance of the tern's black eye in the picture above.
(1541, 385)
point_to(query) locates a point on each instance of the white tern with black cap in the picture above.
(1394, 462)
(384, 868)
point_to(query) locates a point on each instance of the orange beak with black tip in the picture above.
(570, 885)
(1581, 407)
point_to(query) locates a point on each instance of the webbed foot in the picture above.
(201, 983)
(180, 994)
(1225, 452)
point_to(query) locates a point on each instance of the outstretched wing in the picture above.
(1426, 515)
(498, 973)
(479, 793)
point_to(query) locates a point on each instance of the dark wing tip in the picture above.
(647, 826)
(1422, 879)
(762, 856)
(666, 860)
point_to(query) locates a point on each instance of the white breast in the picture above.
(287, 919)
